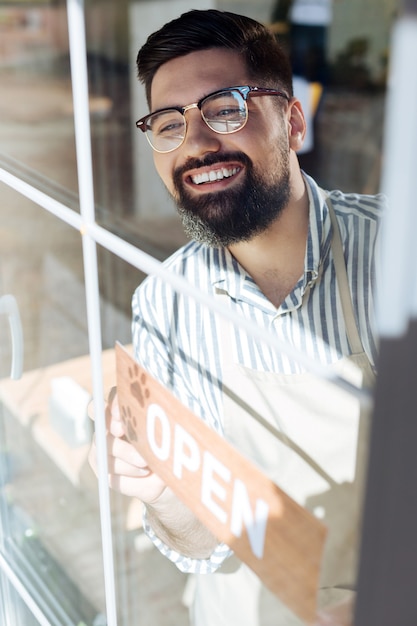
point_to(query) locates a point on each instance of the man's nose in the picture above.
(199, 138)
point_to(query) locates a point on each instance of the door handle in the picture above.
(9, 307)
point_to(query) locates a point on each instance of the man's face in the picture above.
(228, 188)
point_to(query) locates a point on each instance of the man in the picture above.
(266, 241)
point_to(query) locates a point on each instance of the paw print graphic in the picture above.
(140, 393)
(137, 387)
(130, 421)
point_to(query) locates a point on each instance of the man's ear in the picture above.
(296, 124)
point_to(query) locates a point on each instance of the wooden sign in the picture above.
(277, 538)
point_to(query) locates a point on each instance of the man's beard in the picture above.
(237, 214)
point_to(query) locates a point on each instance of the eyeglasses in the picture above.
(224, 111)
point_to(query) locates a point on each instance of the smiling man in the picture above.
(225, 129)
(211, 186)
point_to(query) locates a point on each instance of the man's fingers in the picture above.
(128, 471)
(114, 422)
(122, 449)
(147, 489)
(135, 480)
(118, 467)
(112, 406)
(116, 428)
(122, 458)
(110, 398)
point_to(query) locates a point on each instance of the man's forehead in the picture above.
(188, 78)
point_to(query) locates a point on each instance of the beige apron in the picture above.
(317, 456)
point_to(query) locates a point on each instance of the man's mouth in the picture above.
(214, 175)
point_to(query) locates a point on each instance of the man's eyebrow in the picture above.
(180, 106)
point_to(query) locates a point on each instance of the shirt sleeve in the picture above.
(154, 349)
(186, 564)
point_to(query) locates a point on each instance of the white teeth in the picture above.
(213, 175)
(201, 178)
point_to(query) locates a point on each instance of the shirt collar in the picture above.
(319, 232)
(229, 276)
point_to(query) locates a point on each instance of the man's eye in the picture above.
(228, 112)
(223, 114)
(168, 129)
(166, 124)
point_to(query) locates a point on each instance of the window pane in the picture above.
(49, 509)
(37, 113)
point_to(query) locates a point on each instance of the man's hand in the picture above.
(128, 472)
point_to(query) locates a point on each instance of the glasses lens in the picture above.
(225, 112)
(165, 130)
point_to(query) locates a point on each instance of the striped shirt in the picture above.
(178, 340)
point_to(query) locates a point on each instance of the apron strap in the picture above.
(352, 332)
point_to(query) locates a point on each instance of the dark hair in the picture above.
(196, 30)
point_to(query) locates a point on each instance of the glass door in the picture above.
(83, 219)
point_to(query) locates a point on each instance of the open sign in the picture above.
(217, 484)
(280, 540)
